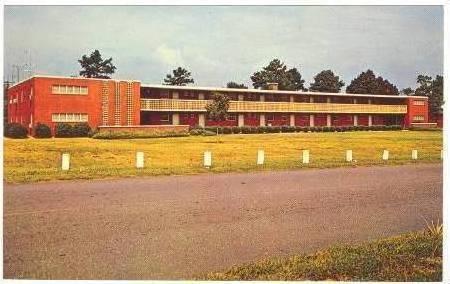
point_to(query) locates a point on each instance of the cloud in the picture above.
(222, 43)
(169, 56)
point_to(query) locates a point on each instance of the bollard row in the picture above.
(207, 158)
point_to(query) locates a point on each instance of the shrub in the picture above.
(136, 135)
(227, 130)
(262, 129)
(196, 131)
(245, 130)
(236, 129)
(81, 130)
(15, 130)
(63, 130)
(42, 131)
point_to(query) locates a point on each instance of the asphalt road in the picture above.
(182, 226)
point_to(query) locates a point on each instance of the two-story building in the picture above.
(110, 102)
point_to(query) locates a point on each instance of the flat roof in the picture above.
(67, 77)
(218, 89)
(221, 89)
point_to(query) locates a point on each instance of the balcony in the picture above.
(170, 105)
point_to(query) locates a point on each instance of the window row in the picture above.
(418, 118)
(418, 103)
(69, 90)
(69, 117)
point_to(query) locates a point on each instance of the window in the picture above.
(69, 117)
(164, 117)
(418, 103)
(418, 118)
(69, 90)
(231, 117)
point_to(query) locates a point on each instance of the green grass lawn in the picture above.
(33, 160)
(415, 256)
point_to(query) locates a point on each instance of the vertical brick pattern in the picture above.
(117, 104)
(130, 111)
(105, 103)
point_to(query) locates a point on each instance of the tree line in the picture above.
(290, 79)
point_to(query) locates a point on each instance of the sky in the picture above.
(219, 44)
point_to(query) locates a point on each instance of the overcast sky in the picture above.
(220, 44)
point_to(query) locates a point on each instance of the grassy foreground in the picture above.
(415, 256)
(33, 160)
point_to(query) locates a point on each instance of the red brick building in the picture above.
(108, 102)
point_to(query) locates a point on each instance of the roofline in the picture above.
(67, 77)
(218, 89)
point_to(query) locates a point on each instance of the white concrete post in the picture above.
(328, 120)
(139, 160)
(355, 120)
(175, 119)
(414, 154)
(262, 120)
(201, 96)
(311, 120)
(305, 156)
(201, 119)
(291, 98)
(292, 120)
(328, 100)
(385, 155)
(370, 120)
(207, 159)
(311, 99)
(175, 95)
(260, 158)
(240, 119)
(240, 97)
(348, 156)
(65, 162)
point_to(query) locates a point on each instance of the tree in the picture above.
(407, 91)
(217, 109)
(277, 72)
(235, 85)
(326, 81)
(94, 66)
(180, 77)
(368, 83)
(434, 90)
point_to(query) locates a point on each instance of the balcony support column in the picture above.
(262, 119)
(292, 120)
(328, 120)
(370, 120)
(262, 98)
(311, 120)
(240, 119)
(201, 96)
(201, 119)
(240, 97)
(175, 96)
(291, 98)
(175, 118)
(355, 117)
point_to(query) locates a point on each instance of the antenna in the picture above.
(28, 65)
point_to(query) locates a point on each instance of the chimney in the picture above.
(272, 86)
